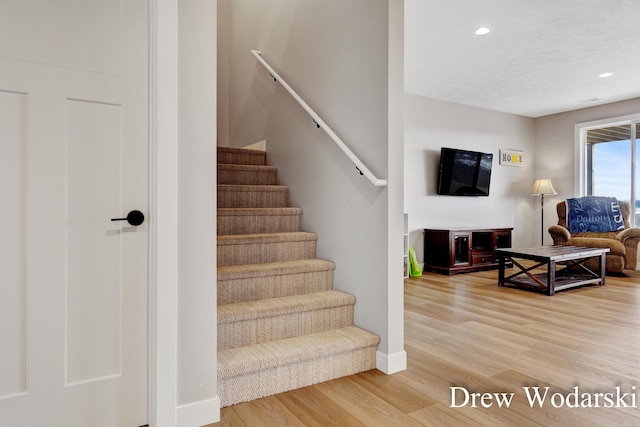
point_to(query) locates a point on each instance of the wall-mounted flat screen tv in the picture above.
(464, 173)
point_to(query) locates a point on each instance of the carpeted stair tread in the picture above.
(246, 174)
(272, 307)
(259, 211)
(252, 187)
(257, 357)
(254, 322)
(252, 372)
(232, 272)
(248, 196)
(237, 249)
(258, 220)
(249, 282)
(230, 155)
(244, 239)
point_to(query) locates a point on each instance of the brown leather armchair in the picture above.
(623, 244)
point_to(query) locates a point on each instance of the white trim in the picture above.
(152, 237)
(199, 413)
(391, 363)
(578, 172)
(612, 121)
(163, 117)
(580, 131)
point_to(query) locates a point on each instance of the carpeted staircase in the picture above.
(281, 326)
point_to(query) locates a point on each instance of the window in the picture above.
(610, 161)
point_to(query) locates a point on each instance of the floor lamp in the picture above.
(540, 188)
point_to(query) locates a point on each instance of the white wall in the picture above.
(335, 54)
(395, 360)
(555, 148)
(432, 124)
(183, 110)
(197, 392)
(163, 198)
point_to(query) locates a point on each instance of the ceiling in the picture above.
(541, 56)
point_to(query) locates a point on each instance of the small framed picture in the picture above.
(510, 157)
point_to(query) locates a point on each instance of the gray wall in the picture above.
(430, 125)
(549, 144)
(556, 147)
(335, 54)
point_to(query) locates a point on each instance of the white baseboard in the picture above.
(198, 414)
(391, 363)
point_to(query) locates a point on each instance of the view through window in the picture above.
(611, 163)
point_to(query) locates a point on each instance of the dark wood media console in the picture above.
(461, 250)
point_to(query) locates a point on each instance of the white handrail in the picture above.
(321, 124)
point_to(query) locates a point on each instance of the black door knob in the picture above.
(133, 218)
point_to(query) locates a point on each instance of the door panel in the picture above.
(74, 154)
(93, 245)
(13, 357)
(75, 34)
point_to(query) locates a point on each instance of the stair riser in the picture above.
(248, 224)
(241, 158)
(255, 331)
(265, 252)
(290, 377)
(253, 199)
(256, 288)
(242, 177)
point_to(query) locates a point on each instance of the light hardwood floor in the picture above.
(465, 331)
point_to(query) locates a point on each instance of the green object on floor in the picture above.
(414, 268)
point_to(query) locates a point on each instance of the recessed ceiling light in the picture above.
(482, 31)
(605, 75)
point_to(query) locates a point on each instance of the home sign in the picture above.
(510, 157)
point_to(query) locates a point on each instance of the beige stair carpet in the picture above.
(237, 283)
(246, 175)
(260, 370)
(281, 326)
(253, 196)
(258, 220)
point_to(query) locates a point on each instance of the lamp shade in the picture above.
(543, 186)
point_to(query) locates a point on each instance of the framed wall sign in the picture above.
(510, 157)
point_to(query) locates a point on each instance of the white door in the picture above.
(73, 155)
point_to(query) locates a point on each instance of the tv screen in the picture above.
(464, 173)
